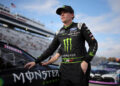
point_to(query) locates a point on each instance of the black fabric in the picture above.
(72, 42)
(53, 46)
(73, 75)
(65, 8)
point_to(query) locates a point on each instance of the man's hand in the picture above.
(30, 65)
(44, 63)
(53, 59)
(84, 66)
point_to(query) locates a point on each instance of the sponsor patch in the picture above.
(13, 49)
(73, 29)
(92, 38)
(91, 35)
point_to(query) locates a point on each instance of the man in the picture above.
(75, 66)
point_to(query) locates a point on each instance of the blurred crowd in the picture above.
(31, 44)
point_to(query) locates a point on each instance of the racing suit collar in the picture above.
(65, 27)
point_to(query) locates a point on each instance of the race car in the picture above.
(105, 76)
(13, 73)
(112, 65)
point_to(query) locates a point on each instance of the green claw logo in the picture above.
(50, 81)
(91, 54)
(63, 6)
(1, 82)
(67, 44)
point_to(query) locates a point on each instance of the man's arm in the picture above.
(92, 42)
(92, 47)
(53, 59)
(53, 46)
(49, 51)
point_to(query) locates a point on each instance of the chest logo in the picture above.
(73, 29)
(74, 32)
(67, 44)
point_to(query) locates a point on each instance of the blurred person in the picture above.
(75, 66)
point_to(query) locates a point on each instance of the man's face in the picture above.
(66, 16)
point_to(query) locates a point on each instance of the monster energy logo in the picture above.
(67, 44)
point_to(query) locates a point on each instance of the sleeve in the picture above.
(92, 42)
(49, 51)
(60, 50)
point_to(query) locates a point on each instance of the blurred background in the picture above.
(32, 24)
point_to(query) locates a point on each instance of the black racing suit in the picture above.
(73, 52)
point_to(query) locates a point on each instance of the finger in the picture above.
(30, 66)
(26, 65)
(84, 71)
(43, 64)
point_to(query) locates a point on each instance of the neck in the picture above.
(67, 23)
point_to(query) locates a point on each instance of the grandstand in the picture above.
(31, 36)
(18, 21)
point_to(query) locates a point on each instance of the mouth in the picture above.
(62, 18)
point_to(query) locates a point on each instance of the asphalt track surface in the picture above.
(101, 85)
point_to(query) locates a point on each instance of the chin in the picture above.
(64, 21)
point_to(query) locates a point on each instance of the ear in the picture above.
(73, 14)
